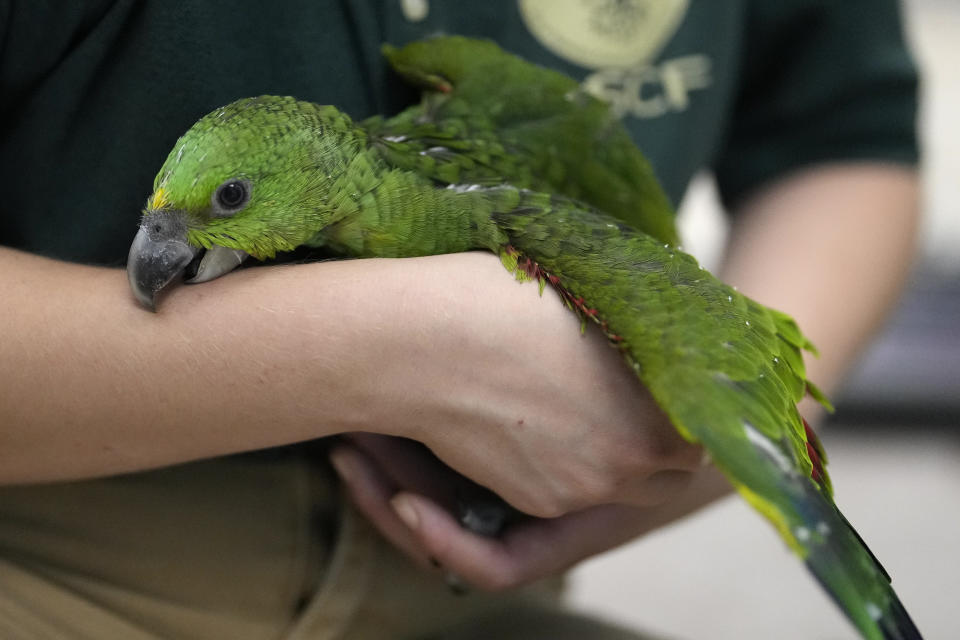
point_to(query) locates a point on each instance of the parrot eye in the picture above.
(230, 196)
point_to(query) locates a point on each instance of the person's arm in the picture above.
(92, 384)
(831, 245)
(446, 349)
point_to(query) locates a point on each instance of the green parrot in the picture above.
(506, 156)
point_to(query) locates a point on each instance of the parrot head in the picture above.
(250, 178)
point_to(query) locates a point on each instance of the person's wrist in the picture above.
(436, 319)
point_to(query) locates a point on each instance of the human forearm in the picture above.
(92, 384)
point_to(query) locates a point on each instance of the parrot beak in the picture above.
(160, 252)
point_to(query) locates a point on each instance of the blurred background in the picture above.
(894, 442)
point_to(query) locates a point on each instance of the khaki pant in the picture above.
(252, 546)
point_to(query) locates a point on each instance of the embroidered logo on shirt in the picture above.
(600, 34)
(619, 40)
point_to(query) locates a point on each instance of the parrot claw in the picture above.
(215, 262)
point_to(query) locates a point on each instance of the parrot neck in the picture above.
(401, 214)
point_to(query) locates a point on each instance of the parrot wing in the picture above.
(726, 370)
(488, 117)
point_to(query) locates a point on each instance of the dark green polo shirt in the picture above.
(94, 93)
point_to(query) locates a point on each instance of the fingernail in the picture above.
(405, 511)
(342, 465)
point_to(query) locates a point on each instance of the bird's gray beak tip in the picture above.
(148, 302)
(160, 254)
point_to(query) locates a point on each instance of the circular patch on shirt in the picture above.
(603, 34)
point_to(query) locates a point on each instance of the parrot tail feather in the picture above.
(849, 571)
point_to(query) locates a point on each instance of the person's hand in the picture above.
(507, 392)
(511, 395)
(408, 495)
